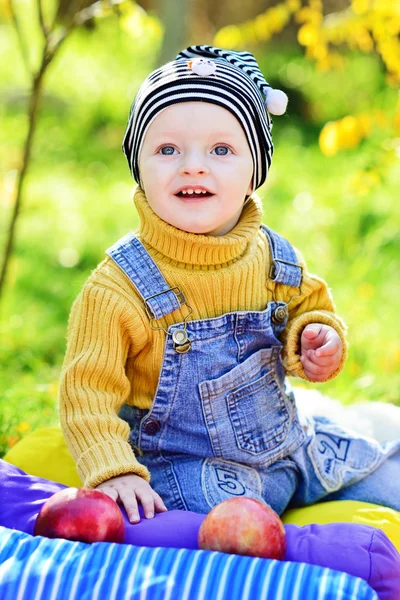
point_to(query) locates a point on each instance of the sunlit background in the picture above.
(333, 189)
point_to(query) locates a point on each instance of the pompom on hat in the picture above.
(229, 79)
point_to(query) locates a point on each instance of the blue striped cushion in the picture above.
(36, 568)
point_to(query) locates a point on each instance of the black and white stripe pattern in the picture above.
(237, 85)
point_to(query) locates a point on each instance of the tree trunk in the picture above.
(32, 118)
(175, 15)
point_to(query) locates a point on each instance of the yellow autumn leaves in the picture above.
(366, 25)
(258, 30)
(349, 131)
(344, 133)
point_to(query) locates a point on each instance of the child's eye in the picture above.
(166, 150)
(222, 150)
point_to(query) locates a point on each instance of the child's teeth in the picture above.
(191, 192)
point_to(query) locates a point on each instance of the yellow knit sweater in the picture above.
(113, 355)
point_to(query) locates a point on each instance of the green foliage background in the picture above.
(77, 202)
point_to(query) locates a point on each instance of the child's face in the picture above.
(196, 146)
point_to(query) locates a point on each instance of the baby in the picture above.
(180, 341)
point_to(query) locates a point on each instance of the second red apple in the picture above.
(243, 526)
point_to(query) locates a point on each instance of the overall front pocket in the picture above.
(258, 414)
(245, 411)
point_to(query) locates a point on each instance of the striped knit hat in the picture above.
(229, 79)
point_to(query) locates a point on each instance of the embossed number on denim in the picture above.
(341, 457)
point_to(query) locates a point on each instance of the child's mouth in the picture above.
(189, 195)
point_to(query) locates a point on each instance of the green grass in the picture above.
(77, 202)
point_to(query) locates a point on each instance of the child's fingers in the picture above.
(311, 336)
(128, 499)
(313, 371)
(330, 348)
(323, 361)
(312, 331)
(110, 491)
(159, 503)
(146, 499)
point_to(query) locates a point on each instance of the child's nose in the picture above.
(193, 163)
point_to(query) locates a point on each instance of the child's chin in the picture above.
(198, 228)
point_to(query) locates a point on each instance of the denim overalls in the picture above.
(224, 422)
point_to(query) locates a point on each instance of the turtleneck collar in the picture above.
(197, 249)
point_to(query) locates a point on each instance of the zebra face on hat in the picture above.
(202, 66)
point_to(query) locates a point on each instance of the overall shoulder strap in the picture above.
(134, 260)
(284, 266)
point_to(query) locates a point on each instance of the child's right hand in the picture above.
(130, 490)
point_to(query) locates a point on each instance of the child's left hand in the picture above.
(321, 351)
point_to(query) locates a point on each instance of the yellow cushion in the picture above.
(43, 453)
(348, 511)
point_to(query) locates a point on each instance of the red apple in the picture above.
(243, 526)
(81, 514)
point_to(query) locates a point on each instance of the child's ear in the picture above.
(250, 188)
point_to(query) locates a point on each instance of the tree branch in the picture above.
(54, 38)
(97, 9)
(43, 25)
(37, 83)
(23, 48)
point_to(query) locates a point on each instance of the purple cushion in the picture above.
(356, 549)
(359, 550)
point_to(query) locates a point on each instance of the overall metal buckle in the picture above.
(281, 313)
(180, 338)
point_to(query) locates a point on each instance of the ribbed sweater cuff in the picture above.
(106, 460)
(293, 363)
